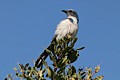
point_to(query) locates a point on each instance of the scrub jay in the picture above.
(68, 26)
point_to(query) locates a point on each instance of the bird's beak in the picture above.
(65, 11)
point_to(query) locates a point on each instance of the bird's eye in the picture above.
(70, 11)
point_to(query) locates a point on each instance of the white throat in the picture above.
(74, 19)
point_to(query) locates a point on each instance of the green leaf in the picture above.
(69, 71)
(73, 42)
(99, 78)
(17, 73)
(97, 69)
(73, 70)
(15, 69)
(61, 70)
(26, 65)
(75, 39)
(44, 62)
(73, 55)
(81, 48)
(20, 75)
(62, 62)
(48, 51)
(50, 72)
(52, 58)
(66, 50)
(89, 73)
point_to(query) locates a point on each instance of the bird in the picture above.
(68, 26)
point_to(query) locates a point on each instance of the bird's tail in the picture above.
(38, 62)
(45, 54)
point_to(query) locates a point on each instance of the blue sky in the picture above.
(27, 26)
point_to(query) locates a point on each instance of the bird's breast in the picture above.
(66, 27)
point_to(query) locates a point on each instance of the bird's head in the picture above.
(71, 12)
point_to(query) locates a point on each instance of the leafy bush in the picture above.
(62, 56)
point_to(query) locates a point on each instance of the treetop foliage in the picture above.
(62, 57)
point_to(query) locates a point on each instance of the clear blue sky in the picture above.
(27, 26)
